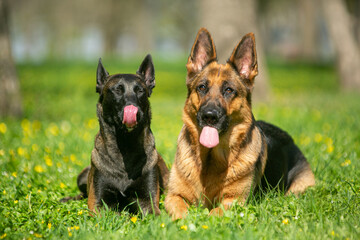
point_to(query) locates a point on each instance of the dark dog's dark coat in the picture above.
(126, 170)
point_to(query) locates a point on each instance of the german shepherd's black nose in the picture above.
(210, 116)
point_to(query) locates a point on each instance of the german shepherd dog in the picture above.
(222, 151)
(126, 170)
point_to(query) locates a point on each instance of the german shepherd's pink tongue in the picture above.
(209, 137)
(129, 118)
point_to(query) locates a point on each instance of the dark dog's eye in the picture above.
(120, 89)
(138, 90)
(202, 88)
(229, 90)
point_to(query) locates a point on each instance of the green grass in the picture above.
(41, 155)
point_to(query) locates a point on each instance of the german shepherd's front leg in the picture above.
(236, 192)
(176, 206)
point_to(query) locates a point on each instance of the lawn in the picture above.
(41, 155)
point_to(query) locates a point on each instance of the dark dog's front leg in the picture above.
(148, 192)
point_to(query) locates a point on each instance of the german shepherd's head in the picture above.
(123, 101)
(219, 95)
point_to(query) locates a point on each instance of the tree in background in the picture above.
(10, 100)
(347, 51)
(228, 21)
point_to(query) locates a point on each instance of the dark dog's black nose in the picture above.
(210, 116)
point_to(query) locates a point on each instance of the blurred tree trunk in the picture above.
(228, 21)
(10, 100)
(308, 9)
(347, 51)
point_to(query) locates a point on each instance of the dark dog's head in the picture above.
(219, 95)
(124, 97)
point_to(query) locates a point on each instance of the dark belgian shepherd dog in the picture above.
(222, 151)
(126, 170)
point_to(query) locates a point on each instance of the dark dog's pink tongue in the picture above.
(209, 137)
(129, 119)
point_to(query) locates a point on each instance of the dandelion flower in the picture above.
(49, 225)
(133, 219)
(76, 227)
(38, 169)
(14, 174)
(72, 157)
(16, 201)
(62, 185)
(21, 151)
(2, 152)
(346, 163)
(162, 225)
(48, 160)
(204, 226)
(285, 221)
(70, 234)
(38, 235)
(184, 227)
(3, 128)
(332, 233)
(3, 236)
(80, 212)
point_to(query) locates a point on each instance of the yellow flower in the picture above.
(204, 226)
(70, 234)
(330, 148)
(48, 160)
(14, 174)
(16, 201)
(38, 235)
(76, 227)
(49, 225)
(2, 152)
(4, 192)
(21, 151)
(162, 225)
(47, 149)
(346, 163)
(29, 185)
(38, 168)
(72, 157)
(80, 212)
(58, 165)
(183, 227)
(3, 128)
(53, 129)
(62, 185)
(285, 221)
(3, 236)
(332, 233)
(133, 219)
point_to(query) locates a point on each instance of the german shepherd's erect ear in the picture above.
(202, 52)
(147, 71)
(101, 76)
(244, 59)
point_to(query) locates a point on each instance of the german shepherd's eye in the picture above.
(229, 90)
(202, 88)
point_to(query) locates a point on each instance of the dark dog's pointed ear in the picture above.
(147, 70)
(101, 76)
(202, 52)
(244, 59)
